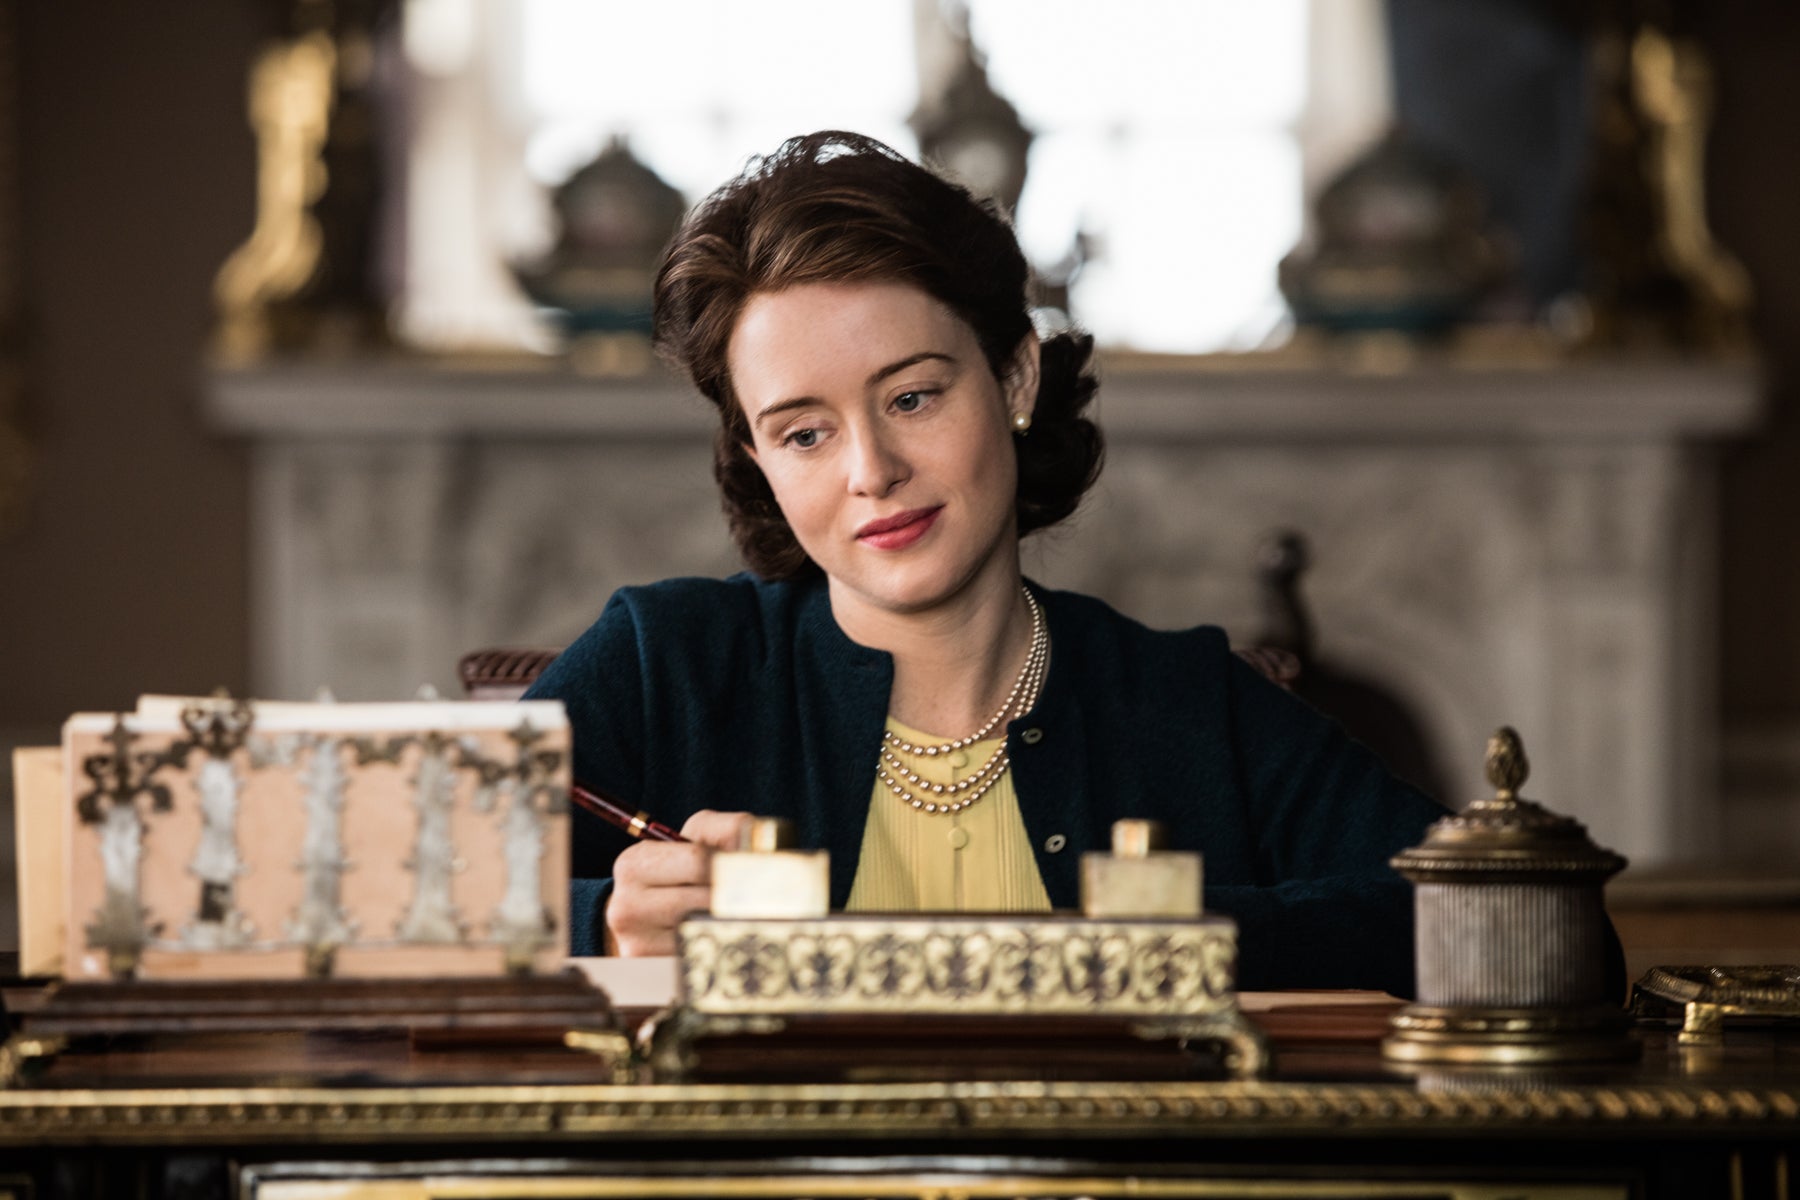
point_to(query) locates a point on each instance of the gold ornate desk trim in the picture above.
(1063, 1110)
(929, 1185)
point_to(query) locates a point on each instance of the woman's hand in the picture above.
(655, 884)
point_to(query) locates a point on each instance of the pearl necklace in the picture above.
(901, 780)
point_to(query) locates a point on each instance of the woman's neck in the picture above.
(954, 663)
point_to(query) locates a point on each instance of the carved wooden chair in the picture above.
(501, 674)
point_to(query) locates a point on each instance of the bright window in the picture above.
(700, 85)
(1167, 130)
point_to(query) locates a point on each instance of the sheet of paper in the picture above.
(39, 788)
(632, 982)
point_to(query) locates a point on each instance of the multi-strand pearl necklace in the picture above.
(922, 794)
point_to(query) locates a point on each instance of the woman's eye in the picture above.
(910, 401)
(803, 439)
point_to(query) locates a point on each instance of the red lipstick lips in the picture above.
(900, 530)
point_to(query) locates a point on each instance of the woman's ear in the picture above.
(1021, 385)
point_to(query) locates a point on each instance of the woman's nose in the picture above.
(876, 466)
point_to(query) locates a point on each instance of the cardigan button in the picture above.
(1032, 736)
(1054, 843)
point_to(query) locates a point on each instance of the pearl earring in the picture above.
(1021, 421)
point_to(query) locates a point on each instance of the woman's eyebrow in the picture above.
(893, 368)
(781, 406)
(912, 360)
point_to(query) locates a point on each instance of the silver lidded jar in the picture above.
(1511, 934)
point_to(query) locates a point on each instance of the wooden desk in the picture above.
(368, 1118)
(1730, 917)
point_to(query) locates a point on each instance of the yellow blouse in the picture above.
(975, 860)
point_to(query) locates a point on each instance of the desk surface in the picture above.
(1328, 1081)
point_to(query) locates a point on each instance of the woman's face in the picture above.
(884, 436)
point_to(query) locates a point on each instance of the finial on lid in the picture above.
(1505, 837)
(1507, 766)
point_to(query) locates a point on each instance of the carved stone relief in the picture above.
(1484, 575)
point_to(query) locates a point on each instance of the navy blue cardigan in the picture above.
(740, 694)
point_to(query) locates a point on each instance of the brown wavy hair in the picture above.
(836, 207)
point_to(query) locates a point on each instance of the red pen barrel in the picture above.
(637, 824)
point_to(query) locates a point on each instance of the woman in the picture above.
(890, 426)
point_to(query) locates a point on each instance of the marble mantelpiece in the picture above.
(1528, 544)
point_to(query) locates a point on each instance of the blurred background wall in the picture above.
(127, 566)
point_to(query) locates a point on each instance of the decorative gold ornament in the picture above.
(290, 108)
(1658, 274)
(1672, 82)
(1706, 997)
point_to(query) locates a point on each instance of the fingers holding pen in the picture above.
(656, 884)
(720, 830)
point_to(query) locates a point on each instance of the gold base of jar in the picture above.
(1489, 1036)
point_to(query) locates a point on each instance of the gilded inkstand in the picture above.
(1511, 938)
(772, 982)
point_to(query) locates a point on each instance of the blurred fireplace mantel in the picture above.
(1521, 542)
